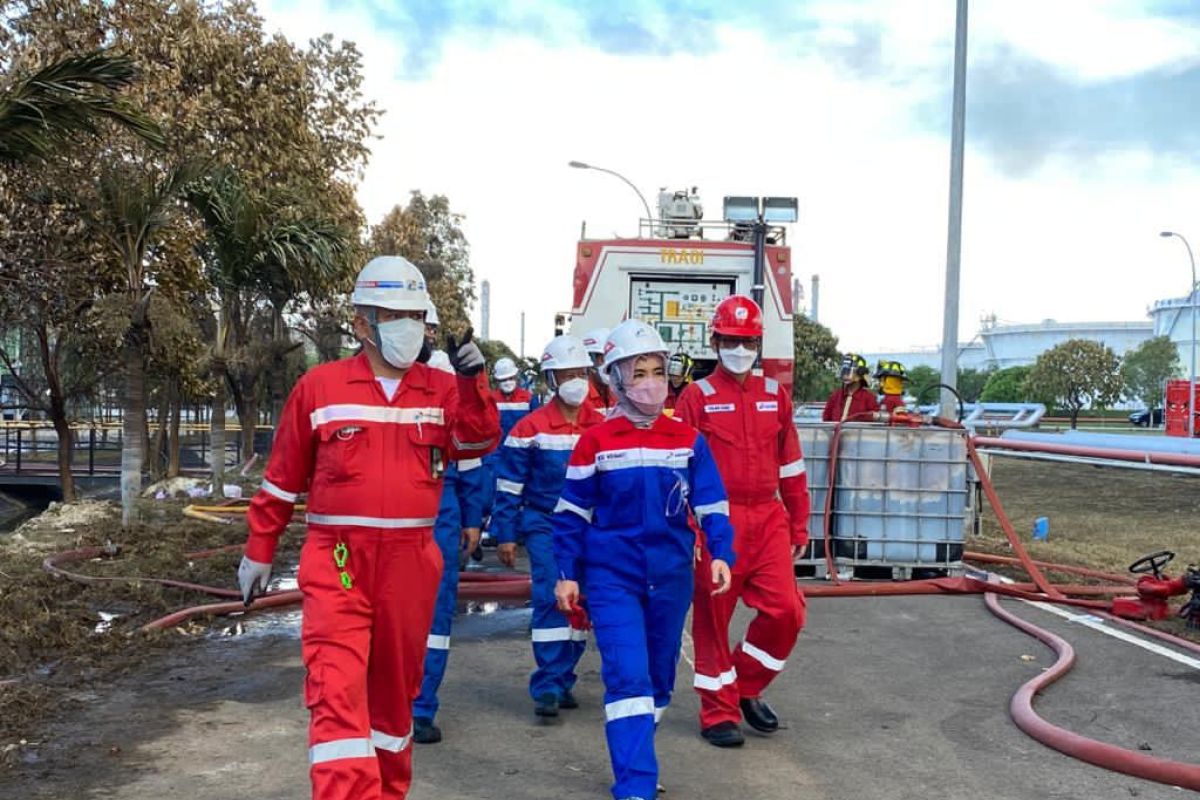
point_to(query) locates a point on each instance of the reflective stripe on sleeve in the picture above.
(706, 388)
(566, 505)
(437, 642)
(275, 491)
(629, 707)
(511, 487)
(658, 713)
(484, 445)
(714, 683)
(371, 522)
(763, 657)
(772, 386)
(512, 406)
(719, 507)
(385, 741)
(520, 442)
(339, 749)
(468, 464)
(793, 469)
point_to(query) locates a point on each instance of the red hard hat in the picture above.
(738, 315)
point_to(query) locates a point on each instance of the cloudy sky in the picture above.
(1083, 129)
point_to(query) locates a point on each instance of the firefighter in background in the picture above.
(366, 438)
(600, 395)
(892, 378)
(529, 479)
(459, 519)
(513, 402)
(853, 400)
(747, 420)
(679, 375)
(622, 527)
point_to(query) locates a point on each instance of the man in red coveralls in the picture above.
(747, 420)
(852, 401)
(368, 438)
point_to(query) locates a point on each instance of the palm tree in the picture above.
(40, 114)
(134, 209)
(257, 247)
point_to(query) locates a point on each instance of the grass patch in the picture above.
(1100, 517)
(49, 643)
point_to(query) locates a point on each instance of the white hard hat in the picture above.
(632, 338)
(431, 317)
(439, 360)
(390, 282)
(593, 341)
(504, 369)
(565, 352)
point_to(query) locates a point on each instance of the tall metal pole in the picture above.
(522, 334)
(954, 236)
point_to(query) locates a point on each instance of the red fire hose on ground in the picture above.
(516, 586)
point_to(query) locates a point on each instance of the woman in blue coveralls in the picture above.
(621, 527)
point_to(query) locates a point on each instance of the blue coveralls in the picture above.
(621, 527)
(533, 465)
(512, 408)
(461, 507)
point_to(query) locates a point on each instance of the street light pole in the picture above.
(954, 229)
(1192, 302)
(629, 183)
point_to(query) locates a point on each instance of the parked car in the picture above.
(1142, 418)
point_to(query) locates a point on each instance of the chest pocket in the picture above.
(343, 452)
(622, 497)
(428, 444)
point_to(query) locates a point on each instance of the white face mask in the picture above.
(738, 359)
(400, 341)
(507, 385)
(574, 391)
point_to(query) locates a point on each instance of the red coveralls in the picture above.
(372, 469)
(891, 402)
(598, 401)
(749, 428)
(861, 403)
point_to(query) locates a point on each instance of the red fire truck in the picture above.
(679, 268)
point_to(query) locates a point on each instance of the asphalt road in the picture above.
(884, 698)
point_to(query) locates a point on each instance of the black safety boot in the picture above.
(546, 706)
(568, 701)
(425, 732)
(724, 734)
(758, 715)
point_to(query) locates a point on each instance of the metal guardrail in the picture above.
(96, 450)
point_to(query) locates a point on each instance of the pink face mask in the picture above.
(649, 395)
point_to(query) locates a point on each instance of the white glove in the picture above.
(253, 577)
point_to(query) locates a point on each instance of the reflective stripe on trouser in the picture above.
(448, 533)
(363, 649)
(557, 647)
(638, 632)
(764, 579)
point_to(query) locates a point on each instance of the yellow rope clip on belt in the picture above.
(341, 554)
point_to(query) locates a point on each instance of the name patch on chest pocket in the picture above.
(767, 405)
(717, 408)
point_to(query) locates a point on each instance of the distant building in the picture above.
(1173, 318)
(1000, 346)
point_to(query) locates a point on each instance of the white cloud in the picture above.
(495, 122)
